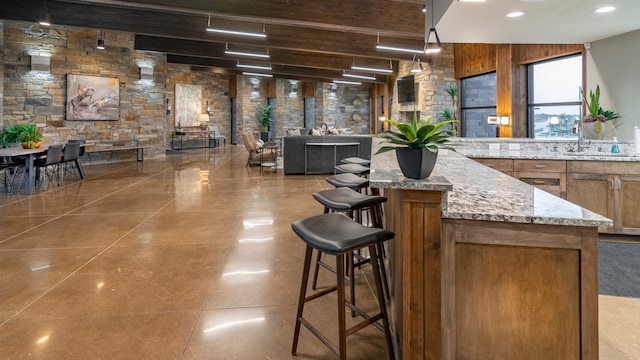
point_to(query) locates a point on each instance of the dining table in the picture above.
(30, 156)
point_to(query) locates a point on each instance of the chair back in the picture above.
(214, 130)
(54, 155)
(71, 151)
(79, 141)
(249, 142)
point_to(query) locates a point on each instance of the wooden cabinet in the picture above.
(548, 175)
(611, 189)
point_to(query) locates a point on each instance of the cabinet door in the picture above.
(594, 192)
(627, 209)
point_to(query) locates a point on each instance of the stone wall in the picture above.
(290, 109)
(432, 98)
(344, 106)
(215, 91)
(1, 74)
(40, 97)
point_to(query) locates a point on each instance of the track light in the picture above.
(100, 45)
(235, 32)
(432, 47)
(413, 69)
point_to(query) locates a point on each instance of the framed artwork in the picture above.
(188, 104)
(93, 98)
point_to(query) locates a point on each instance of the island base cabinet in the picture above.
(519, 291)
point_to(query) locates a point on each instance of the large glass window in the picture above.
(477, 102)
(554, 98)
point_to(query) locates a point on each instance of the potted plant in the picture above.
(596, 117)
(27, 134)
(265, 122)
(178, 128)
(417, 144)
(449, 114)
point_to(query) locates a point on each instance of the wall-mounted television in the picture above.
(406, 89)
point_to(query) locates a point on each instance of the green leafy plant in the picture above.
(265, 118)
(594, 110)
(420, 135)
(21, 133)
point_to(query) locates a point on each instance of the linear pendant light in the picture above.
(336, 81)
(372, 69)
(356, 76)
(245, 53)
(257, 67)
(235, 32)
(256, 74)
(396, 48)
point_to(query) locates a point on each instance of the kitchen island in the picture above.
(484, 266)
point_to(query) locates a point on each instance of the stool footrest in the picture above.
(320, 293)
(319, 335)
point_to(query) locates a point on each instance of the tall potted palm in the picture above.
(265, 122)
(417, 144)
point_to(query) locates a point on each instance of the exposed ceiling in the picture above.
(323, 39)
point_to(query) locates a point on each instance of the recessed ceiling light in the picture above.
(515, 14)
(605, 9)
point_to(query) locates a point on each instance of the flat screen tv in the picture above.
(406, 89)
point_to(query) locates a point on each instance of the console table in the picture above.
(335, 148)
(181, 134)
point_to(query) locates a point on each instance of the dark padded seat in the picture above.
(348, 180)
(337, 234)
(356, 160)
(346, 199)
(352, 169)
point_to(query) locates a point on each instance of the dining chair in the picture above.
(50, 164)
(69, 157)
(215, 136)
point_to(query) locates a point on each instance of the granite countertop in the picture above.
(477, 192)
(532, 155)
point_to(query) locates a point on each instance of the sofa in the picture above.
(320, 158)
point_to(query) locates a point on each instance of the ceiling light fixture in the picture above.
(100, 45)
(347, 82)
(395, 48)
(44, 16)
(371, 69)
(424, 8)
(605, 9)
(245, 53)
(413, 69)
(432, 47)
(356, 76)
(235, 32)
(256, 74)
(514, 14)
(257, 67)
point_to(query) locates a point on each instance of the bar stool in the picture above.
(352, 169)
(348, 180)
(356, 160)
(336, 234)
(352, 203)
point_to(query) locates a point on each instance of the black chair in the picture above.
(50, 164)
(69, 158)
(336, 234)
(78, 162)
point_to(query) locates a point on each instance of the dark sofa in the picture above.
(320, 159)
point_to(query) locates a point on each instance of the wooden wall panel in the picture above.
(536, 52)
(504, 86)
(308, 89)
(271, 88)
(233, 86)
(473, 59)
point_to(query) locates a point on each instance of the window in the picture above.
(554, 98)
(477, 102)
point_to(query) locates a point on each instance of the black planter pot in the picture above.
(416, 164)
(264, 136)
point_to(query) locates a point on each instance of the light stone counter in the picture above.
(477, 192)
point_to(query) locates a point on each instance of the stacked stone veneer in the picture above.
(215, 90)
(431, 97)
(40, 97)
(344, 106)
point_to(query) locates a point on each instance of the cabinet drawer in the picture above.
(540, 165)
(502, 165)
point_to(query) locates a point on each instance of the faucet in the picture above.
(577, 129)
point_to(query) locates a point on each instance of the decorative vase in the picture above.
(589, 132)
(31, 145)
(416, 164)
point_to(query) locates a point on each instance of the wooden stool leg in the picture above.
(342, 324)
(316, 269)
(381, 302)
(301, 298)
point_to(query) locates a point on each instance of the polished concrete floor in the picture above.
(187, 257)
